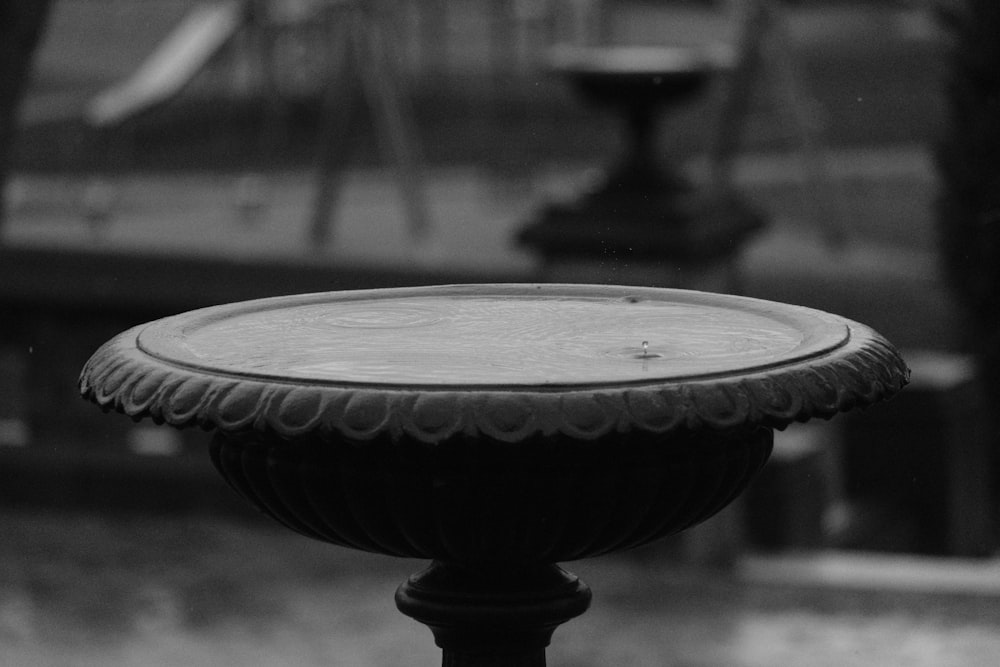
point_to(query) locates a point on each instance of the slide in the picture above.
(187, 49)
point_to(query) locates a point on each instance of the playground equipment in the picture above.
(362, 50)
(175, 62)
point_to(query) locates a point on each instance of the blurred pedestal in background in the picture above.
(643, 228)
(646, 223)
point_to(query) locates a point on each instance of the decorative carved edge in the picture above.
(121, 377)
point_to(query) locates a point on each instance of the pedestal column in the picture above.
(493, 616)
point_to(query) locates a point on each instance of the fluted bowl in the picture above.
(483, 501)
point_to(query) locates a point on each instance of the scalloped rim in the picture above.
(121, 377)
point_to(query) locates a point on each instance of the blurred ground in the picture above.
(81, 590)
